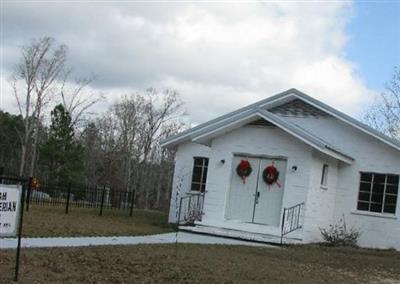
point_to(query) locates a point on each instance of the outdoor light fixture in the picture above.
(222, 161)
(294, 168)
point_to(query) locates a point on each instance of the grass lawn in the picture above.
(51, 221)
(203, 264)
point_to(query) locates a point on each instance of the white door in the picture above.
(241, 195)
(269, 197)
(255, 201)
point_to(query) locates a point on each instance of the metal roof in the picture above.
(262, 107)
(203, 136)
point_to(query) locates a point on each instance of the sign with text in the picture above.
(10, 196)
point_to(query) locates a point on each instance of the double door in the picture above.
(254, 200)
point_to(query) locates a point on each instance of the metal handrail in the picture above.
(193, 210)
(291, 219)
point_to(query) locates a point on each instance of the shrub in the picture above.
(339, 235)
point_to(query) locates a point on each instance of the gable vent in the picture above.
(298, 108)
(261, 122)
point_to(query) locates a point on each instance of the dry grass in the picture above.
(53, 222)
(203, 264)
(184, 263)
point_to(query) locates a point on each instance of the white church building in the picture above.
(283, 168)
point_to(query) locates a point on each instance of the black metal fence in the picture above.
(71, 195)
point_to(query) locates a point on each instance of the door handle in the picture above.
(257, 196)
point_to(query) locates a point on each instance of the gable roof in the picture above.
(260, 107)
(317, 143)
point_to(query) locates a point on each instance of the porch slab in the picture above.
(240, 234)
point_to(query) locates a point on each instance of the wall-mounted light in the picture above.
(294, 169)
(222, 161)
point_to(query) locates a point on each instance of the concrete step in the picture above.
(239, 234)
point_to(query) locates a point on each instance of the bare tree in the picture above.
(129, 114)
(109, 148)
(160, 108)
(33, 81)
(167, 156)
(127, 144)
(384, 115)
(75, 97)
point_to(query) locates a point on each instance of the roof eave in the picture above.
(185, 135)
(326, 149)
(347, 119)
(337, 155)
(285, 126)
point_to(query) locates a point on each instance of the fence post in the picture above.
(102, 201)
(28, 197)
(21, 220)
(132, 201)
(68, 197)
(179, 212)
(283, 224)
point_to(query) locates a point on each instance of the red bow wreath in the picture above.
(271, 175)
(244, 170)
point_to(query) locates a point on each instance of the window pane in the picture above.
(390, 199)
(196, 174)
(376, 207)
(324, 177)
(390, 209)
(206, 162)
(198, 161)
(393, 179)
(362, 206)
(195, 187)
(378, 188)
(377, 198)
(391, 189)
(365, 187)
(366, 177)
(378, 178)
(363, 196)
(203, 187)
(204, 176)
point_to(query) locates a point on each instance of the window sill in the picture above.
(194, 192)
(373, 214)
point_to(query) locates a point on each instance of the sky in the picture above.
(374, 43)
(219, 56)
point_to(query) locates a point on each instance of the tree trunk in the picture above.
(34, 153)
(170, 177)
(22, 162)
(25, 140)
(24, 151)
(160, 181)
(36, 138)
(146, 187)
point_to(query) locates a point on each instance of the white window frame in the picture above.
(324, 176)
(201, 183)
(384, 194)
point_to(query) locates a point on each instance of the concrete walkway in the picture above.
(169, 238)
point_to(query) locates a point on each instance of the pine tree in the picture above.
(11, 127)
(61, 153)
